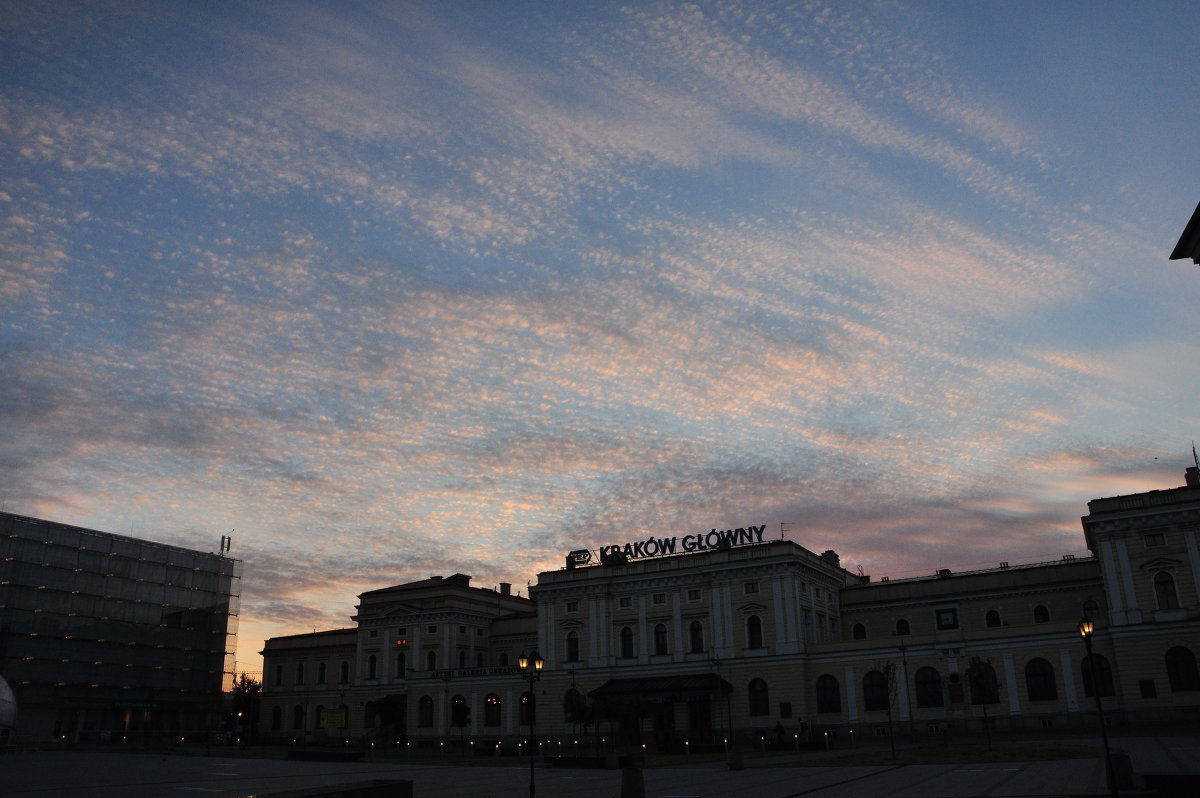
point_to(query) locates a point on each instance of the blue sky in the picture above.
(394, 289)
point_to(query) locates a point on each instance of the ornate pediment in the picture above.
(1160, 564)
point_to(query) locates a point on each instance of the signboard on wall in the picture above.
(664, 547)
(332, 718)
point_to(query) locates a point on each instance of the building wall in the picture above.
(104, 636)
(775, 618)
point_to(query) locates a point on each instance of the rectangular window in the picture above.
(432, 629)
(462, 630)
(1155, 540)
(402, 631)
(373, 633)
(947, 619)
(625, 602)
(751, 588)
(572, 606)
(659, 598)
(693, 594)
(1147, 688)
(785, 709)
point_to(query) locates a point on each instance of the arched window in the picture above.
(344, 671)
(626, 643)
(276, 718)
(754, 638)
(297, 717)
(829, 694)
(320, 673)
(875, 690)
(760, 703)
(1164, 591)
(425, 712)
(574, 707)
(992, 619)
(860, 632)
(460, 713)
(1041, 614)
(902, 627)
(401, 663)
(572, 646)
(985, 687)
(1181, 669)
(431, 661)
(1097, 675)
(1039, 680)
(660, 639)
(372, 666)
(491, 710)
(528, 712)
(696, 637)
(929, 687)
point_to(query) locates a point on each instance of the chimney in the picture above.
(505, 588)
(1192, 476)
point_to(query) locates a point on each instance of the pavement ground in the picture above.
(99, 774)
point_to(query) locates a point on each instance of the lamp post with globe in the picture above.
(1086, 629)
(531, 666)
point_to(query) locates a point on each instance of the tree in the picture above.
(247, 698)
(981, 677)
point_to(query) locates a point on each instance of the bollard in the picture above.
(632, 783)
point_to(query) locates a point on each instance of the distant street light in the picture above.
(531, 665)
(1086, 629)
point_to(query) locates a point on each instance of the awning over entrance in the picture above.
(665, 688)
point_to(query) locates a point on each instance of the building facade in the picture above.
(699, 639)
(104, 637)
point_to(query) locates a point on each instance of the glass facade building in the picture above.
(105, 637)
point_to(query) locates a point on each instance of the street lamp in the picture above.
(531, 665)
(732, 754)
(1086, 629)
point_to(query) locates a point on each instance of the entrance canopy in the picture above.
(664, 688)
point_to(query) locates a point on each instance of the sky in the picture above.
(386, 290)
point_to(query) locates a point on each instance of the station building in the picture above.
(697, 639)
(106, 638)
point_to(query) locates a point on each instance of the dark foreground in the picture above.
(69, 774)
